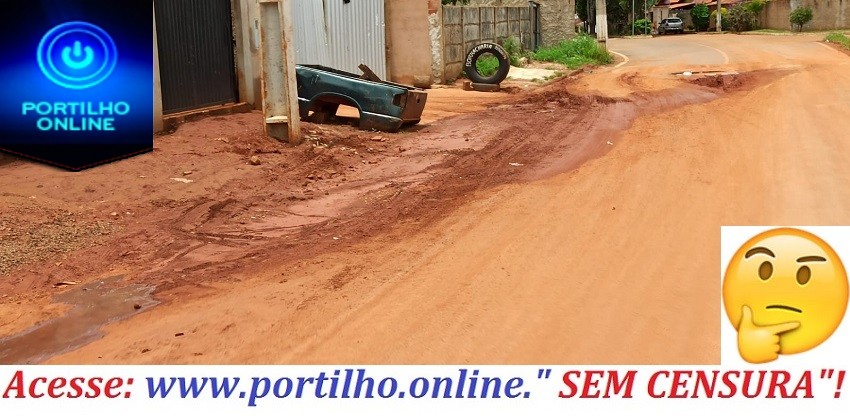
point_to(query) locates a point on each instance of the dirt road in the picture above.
(575, 224)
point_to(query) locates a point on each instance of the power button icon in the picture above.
(77, 55)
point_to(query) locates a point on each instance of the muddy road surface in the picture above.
(574, 223)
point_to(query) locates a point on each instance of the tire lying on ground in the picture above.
(477, 52)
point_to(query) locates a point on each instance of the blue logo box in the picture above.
(77, 81)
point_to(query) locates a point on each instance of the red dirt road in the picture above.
(574, 224)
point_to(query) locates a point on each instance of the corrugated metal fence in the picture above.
(341, 34)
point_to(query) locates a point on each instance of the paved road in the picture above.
(614, 262)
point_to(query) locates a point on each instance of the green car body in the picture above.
(383, 106)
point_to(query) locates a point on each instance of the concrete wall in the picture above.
(557, 17)
(461, 28)
(828, 14)
(408, 42)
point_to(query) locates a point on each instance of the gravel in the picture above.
(26, 241)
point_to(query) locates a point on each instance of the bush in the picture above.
(741, 18)
(574, 53)
(514, 50)
(724, 19)
(642, 26)
(700, 15)
(800, 16)
(839, 38)
(755, 7)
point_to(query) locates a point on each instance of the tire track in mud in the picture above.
(533, 136)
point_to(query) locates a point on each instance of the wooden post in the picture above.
(277, 56)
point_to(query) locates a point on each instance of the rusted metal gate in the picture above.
(341, 34)
(195, 41)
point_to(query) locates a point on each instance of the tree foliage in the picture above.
(741, 18)
(619, 13)
(800, 16)
(755, 6)
(699, 15)
(724, 18)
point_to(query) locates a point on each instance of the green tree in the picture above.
(741, 18)
(699, 15)
(756, 7)
(800, 16)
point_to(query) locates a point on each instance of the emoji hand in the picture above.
(760, 344)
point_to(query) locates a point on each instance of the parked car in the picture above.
(673, 24)
(383, 106)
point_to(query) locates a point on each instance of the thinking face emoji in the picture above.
(785, 291)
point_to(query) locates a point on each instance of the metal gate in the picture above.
(195, 41)
(341, 34)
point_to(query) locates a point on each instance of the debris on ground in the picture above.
(65, 284)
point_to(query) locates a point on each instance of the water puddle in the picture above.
(94, 305)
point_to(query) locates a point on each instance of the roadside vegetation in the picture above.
(744, 16)
(643, 27)
(573, 53)
(724, 18)
(839, 38)
(800, 16)
(700, 16)
(576, 52)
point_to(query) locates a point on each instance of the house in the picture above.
(682, 9)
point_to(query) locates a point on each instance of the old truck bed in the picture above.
(383, 105)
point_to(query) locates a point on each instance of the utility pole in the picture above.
(277, 57)
(601, 23)
(719, 18)
(648, 21)
(633, 17)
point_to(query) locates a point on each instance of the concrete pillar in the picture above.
(280, 89)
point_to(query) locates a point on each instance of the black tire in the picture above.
(475, 53)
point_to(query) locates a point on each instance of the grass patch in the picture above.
(576, 52)
(839, 38)
(487, 65)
